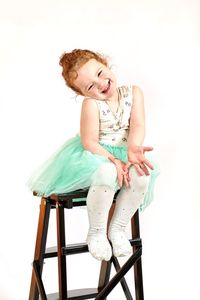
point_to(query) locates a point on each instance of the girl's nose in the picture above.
(101, 84)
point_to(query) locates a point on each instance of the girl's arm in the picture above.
(136, 135)
(137, 120)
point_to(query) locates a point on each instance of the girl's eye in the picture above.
(90, 87)
(99, 73)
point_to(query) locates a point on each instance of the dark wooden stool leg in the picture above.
(105, 270)
(40, 245)
(62, 272)
(104, 275)
(135, 227)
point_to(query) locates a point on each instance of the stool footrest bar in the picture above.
(79, 248)
(78, 294)
(68, 250)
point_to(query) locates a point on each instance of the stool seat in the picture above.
(61, 251)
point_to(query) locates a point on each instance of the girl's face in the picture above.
(95, 80)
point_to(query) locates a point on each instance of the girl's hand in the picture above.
(122, 172)
(137, 159)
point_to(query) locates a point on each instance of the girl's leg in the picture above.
(99, 201)
(127, 203)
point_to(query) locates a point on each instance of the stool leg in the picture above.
(62, 273)
(105, 271)
(104, 274)
(40, 245)
(135, 227)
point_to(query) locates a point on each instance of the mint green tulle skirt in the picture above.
(72, 167)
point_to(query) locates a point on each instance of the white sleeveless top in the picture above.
(114, 127)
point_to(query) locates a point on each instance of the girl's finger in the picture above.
(119, 178)
(126, 181)
(146, 148)
(146, 162)
(144, 168)
(139, 170)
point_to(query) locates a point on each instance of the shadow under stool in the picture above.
(106, 284)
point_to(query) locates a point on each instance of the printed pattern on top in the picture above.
(114, 127)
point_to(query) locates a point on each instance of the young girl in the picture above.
(107, 155)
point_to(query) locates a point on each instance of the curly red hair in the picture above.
(75, 59)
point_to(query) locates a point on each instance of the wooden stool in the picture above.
(105, 285)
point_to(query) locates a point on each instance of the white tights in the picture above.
(99, 201)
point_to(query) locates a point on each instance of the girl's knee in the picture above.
(138, 181)
(107, 168)
(106, 174)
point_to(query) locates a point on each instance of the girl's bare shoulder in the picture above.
(136, 90)
(137, 94)
(89, 104)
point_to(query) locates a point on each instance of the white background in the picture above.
(152, 44)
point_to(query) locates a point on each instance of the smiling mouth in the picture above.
(107, 88)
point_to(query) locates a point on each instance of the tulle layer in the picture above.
(72, 167)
